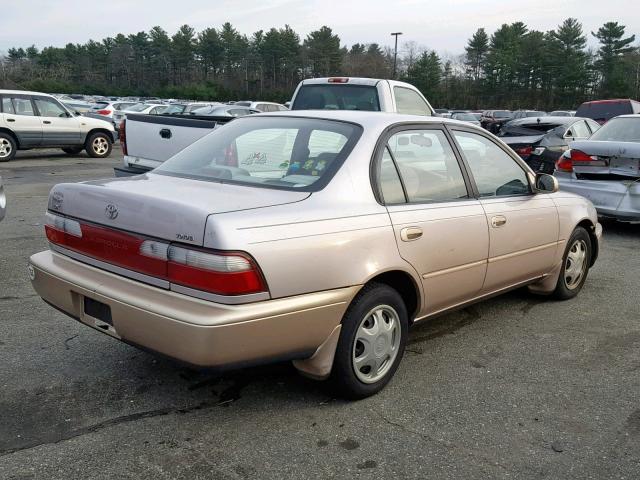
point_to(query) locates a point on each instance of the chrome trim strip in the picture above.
(141, 277)
(212, 297)
(454, 269)
(524, 252)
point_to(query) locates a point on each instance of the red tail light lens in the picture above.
(104, 112)
(570, 157)
(524, 151)
(222, 273)
(338, 80)
(122, 130)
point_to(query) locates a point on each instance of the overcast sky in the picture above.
(443, 25)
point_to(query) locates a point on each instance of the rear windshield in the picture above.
(277, 152)
(619, 130)
(336, 96)
(138, 107)
(173, 109)
(604, 111)
(527, 129)
(467, 117)
(502, 114)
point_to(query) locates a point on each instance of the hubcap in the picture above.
(576, 264)
(100, 145)
(5, 147)
(376, 344)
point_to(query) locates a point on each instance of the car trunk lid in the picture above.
(611, 160)
(160, 206)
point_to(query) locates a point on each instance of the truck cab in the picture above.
(365, 94)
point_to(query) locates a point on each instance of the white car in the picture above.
(262, 106)
(37, 120)
(107, 109)
(142, 108)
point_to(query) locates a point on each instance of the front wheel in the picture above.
(98, 145)
(372, 341)
(575, 265)
(8, 147)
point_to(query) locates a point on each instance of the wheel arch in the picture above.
(406, 286)
(99, 130)
(11, 134)
(589, 226)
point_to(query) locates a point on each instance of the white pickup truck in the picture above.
(149, 140)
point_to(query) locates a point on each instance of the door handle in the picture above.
(47, 122)
(498, 221)
(409, 234)
(11, 119)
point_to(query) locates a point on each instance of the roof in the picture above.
(611, 100)
(24, 92)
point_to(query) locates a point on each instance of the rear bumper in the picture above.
(616, 199)
(188, 329)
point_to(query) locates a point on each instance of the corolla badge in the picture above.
(56, 200)
(111, 211)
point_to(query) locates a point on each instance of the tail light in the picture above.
(338, 80)
(570, 157)
(524, 151)
(221, 273)
(103, 112)
(122, 130)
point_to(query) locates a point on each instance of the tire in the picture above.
(98, 145)
(376, 304)
(72, 150)
(8, 147)
(575, 265)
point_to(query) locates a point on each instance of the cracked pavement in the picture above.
(514, 387)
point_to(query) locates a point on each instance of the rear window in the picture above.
(286, 153)
(337, 97)
(502, 114)
(527, 129)
(138, 107)
(174, 109)
(619, 130)
(604, 111)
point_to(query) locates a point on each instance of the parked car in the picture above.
(262, 106)
(140, 108)
(442, 112)
(37, 120)
(77, 106)
(3, 199)
(492, 120)
(368, 94)
(563, 113)
(224, 111)
(107, 109)
(604, 110)
(541, 140)
(606, 168)
(185, 108)
(466, 117)
(518, 114)
(301, 236)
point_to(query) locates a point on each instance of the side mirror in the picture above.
(546, 183)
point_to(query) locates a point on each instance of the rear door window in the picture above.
(409, 102)
(580, 130)
(337, 97)
(23, 106)
(7, 106)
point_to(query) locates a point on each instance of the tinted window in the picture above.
(409, 102)
(619, 130)
(389, 183)
(502, 114)
(49, 108)
(22, 106)
(603, 111)
(494, 171)
(337, 97)
(7, 106)
(291, 153)
(580, 130)
(428, 167)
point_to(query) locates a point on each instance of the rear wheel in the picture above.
(8, 147)
(575, 265)
(72, 150)
(98, 145)
(372, 341)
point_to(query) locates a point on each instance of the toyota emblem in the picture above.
(111, 211)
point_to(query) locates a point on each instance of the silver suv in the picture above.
(37, 120)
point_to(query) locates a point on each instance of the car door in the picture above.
(439, 228)
(523, 226)
(59, 127)
(20, 117)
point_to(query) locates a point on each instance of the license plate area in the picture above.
(98, 315)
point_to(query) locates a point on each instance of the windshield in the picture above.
(467, 117)
(277, 152)
(337, 97)
(174, 109)
(138, 107)
(619, 130)
(501, 114)
(535, 113)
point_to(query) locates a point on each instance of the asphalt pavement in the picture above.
(518, 386)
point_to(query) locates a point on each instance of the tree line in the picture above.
(514, 67)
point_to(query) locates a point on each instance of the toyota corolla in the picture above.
(317, 237)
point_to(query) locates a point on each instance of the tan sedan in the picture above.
(317, 237)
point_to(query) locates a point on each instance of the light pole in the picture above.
(395, 53)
